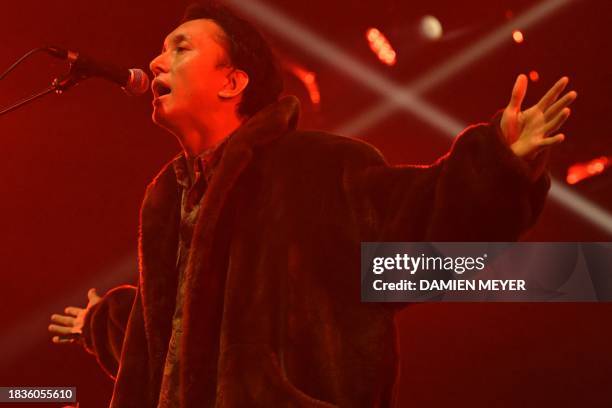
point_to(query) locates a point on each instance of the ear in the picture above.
(237, 80)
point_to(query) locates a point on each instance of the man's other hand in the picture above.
(67, 328)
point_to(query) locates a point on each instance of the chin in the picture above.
(160, 121)
(156, 118)
(159, 117)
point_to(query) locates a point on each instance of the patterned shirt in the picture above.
(193, 175)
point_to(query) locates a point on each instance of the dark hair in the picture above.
(248, 51)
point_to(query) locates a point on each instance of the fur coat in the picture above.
(272, 313)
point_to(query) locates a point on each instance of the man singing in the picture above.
(249, 241)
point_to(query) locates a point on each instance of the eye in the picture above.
(180, 49)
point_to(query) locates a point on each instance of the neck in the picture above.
(201, 136)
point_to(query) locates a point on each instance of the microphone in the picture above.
(133, 81)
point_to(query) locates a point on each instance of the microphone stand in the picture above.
(28, 99)
(59, 85)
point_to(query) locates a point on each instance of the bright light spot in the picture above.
(534, 76)
(517, 36)
(582, 171)
(381, 46)
(309, 78)
(315, 97)
(373, 34)
(431, 28)
(596, 167)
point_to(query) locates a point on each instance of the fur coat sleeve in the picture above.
(105, 324)
(479, 191)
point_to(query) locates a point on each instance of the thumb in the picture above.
(518, 92)
(92, 295)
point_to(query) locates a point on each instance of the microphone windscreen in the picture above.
(137, 83)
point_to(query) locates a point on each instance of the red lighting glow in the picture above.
(534, 76)
(517, 36)
(308, 78)
(381, 46)
(582, 171)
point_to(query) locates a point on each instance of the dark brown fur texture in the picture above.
(273, 316)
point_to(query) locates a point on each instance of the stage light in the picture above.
(582, 171)
(407, 97)
(534, 76)
(517, 36)
(373, 34)
(308, 78)
(431, 28)
(381, 46)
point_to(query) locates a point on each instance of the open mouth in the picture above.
(160, 89)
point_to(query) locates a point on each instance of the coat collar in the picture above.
(267, 125)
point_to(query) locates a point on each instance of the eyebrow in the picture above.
(175, 40)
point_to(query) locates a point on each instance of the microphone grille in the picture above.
(138, 83)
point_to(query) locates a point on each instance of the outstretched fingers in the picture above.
(563, 102)
(553, 93)
(558, 121)
(549, 141)
(62, 340)
(73, 311)
(54, 328)
(65, 320)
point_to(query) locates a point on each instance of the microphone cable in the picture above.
(20, 60)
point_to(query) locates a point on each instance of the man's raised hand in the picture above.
(530, 131)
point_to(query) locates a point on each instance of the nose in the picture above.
(158, 64)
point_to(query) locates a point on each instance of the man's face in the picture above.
(189, 73)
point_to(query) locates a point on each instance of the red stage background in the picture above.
(74, 169)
